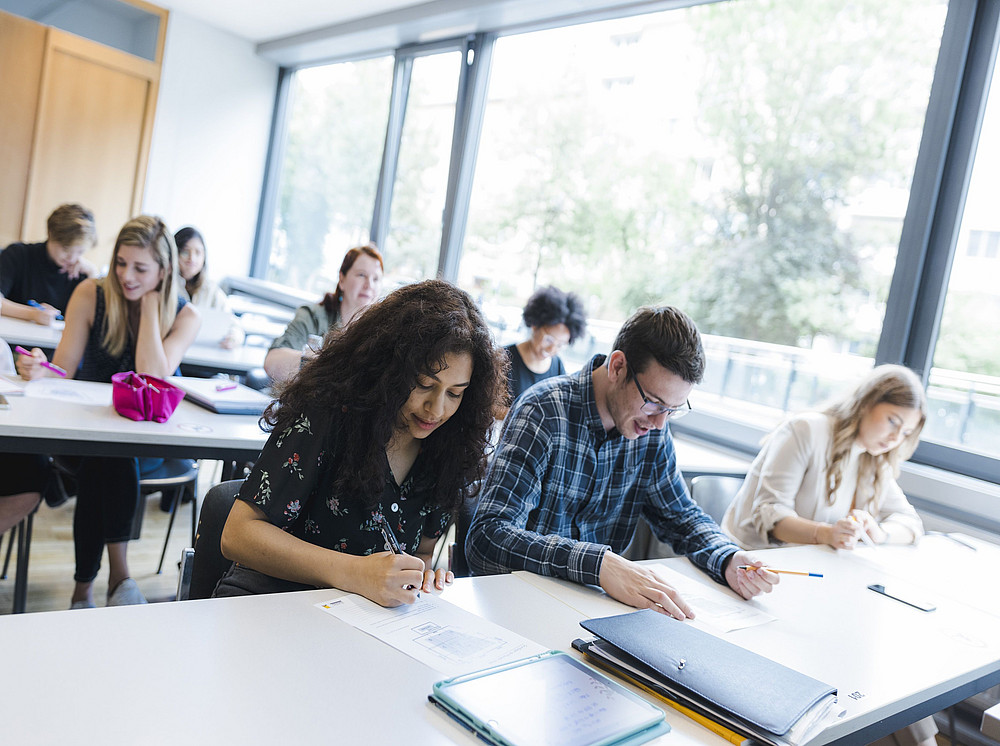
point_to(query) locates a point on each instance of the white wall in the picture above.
(206, 160)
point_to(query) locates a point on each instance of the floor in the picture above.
(50, 575)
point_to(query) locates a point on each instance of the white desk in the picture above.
(212, 358)
(890, 663)
(85, 424)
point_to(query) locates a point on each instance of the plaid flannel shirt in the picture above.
(561, 491)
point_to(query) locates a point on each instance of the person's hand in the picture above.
(640, 587)
(44, 314)
(228, 342)
(28, 366)
(868, 526)
(843, 534)
(81, 268)
(390, 579)
(436, 580)
(749, 583)
(150, 303)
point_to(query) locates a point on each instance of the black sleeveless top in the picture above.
(98, 364)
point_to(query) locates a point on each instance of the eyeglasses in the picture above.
(653, 408)
(551, 343)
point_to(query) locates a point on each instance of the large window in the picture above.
(748, 162)
(792, 174)
(964, 388)
(336, 131)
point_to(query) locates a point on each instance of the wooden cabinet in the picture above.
(76, 118)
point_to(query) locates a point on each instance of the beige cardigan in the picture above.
(788, 478)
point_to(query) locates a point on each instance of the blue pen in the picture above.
(36, 304)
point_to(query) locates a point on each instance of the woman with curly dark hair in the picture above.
(556, 319)
(379, 439)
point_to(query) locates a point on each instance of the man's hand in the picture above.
(640, 587)
(749, 583)
(82, 268)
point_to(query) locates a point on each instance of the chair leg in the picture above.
(23, 552)
(10, 548)
(194, 515)
(178, 492)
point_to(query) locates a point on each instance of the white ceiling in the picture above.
(263, 20)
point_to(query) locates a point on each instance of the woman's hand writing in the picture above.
(389, 579)
(28, 366)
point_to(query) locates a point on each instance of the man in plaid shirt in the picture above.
(582, 457)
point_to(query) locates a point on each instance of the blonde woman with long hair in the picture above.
(830, 477)
(130, 320)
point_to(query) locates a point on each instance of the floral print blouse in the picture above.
(292, 482)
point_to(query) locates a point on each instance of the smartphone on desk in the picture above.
(903, 594)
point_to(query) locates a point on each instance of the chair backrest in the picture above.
(713, 493)
(208, 565)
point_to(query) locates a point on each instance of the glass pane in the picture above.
(748, 162)
(413, 243)
(964, 388)
(336, 132)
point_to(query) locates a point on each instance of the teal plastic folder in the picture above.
(550, 699)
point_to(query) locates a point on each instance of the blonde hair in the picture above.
(149, 233)
(890, 384)
(71, 224)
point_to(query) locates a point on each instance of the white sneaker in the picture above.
(82, 605)
(126, 593)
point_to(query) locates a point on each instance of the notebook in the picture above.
(550, 699)
(222, 396)
(764, 698)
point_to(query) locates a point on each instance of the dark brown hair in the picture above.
(331, 301)
(366, 371)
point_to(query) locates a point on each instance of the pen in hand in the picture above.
(748, 568)
(393, 544)
(44, 363)
(865, 538)
(36, 304)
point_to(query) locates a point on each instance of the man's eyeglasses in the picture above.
(654, 409)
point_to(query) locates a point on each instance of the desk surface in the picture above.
(81, 421)
(890, 663)
(209, 357)
(269, 669)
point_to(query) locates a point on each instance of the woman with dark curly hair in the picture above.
(380, 438)
(556, 319)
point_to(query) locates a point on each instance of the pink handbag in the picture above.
(144, 397)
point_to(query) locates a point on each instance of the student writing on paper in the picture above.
(198, 287)
(386, 427)
(583, 457)
(37, 279)
(555, 319)
(130, 320)
(827, 477)
(357, 287)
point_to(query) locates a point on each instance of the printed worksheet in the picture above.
(713, 606)
(440, 634)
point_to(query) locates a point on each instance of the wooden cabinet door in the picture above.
(95, 118)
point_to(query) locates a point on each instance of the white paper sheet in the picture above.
(435, 632)
(713, 606)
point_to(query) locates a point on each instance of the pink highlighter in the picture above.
(44, 363)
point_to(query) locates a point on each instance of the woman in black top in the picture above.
(130, 320)
(556, 319)
(379, 438)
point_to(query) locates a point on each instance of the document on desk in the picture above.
(435, 632)
(79, 392)
(711, 605)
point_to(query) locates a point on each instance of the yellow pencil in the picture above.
(748, 568)
(717, 728)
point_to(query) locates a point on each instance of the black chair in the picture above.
(203, 566)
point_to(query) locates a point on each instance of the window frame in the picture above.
(931, 223)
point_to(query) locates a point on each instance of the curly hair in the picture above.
(367, 370)
(549, 306)
(891, 384)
